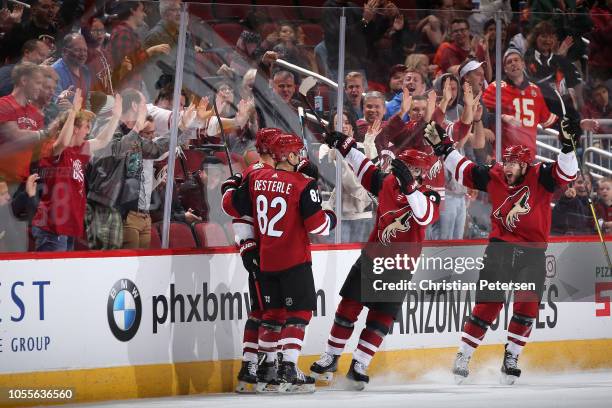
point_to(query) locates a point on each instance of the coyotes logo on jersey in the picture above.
(513, 207)
(392, 222)
(435, 169)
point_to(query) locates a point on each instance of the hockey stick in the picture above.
(306, 85)
(229, 159)
(590, 201)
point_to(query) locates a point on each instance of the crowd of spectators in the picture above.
(87, 91)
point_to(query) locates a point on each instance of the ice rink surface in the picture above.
(581, 389)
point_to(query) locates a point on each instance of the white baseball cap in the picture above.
(511, 51)
(468, 67)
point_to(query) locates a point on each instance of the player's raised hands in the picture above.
(339, 141)
(403, 175)
(569, 136)
(437, 138)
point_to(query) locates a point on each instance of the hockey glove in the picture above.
(338, 140)
(404, 177)
(436, 136)
(249, 252)
(232, 183)
(306, 167)
(333, 220)
(569, 136)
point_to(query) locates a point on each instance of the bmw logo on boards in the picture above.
(124, 309)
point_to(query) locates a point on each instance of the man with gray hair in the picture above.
(166, 31)
(72, 67)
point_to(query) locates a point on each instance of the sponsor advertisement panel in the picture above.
(80, 313)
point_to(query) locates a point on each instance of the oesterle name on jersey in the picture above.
(273, 186)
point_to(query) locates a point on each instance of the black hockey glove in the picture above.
(569, 136)
(401, 171)
(436, 136)
(249, 252)
(232, 183)
(306, 167)
(338, 140)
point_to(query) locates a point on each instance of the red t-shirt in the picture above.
(16, 166)
(527, 106)
(62, 205)
(449, 54)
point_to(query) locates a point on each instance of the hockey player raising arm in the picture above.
(405, 208)
(520, 194)
(286, 207)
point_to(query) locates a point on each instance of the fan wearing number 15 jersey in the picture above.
(521, 100)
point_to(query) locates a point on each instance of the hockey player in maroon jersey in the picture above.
(286, 205)
(405, 208)
(246, 239)
(520, 195)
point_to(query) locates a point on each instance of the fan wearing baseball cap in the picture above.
(523, 106)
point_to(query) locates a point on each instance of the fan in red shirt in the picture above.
(520, 195)
(287, 207)
(60, 215)
(523, 106)
(405, 208)
(20, 122)
(450, 55)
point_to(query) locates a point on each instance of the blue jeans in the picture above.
(45, 241)
(452, 219)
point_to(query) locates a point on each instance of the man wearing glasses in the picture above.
(71, 68)
(451, 54)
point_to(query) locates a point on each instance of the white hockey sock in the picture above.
(252, 357)
(514, 348)
(466, 349)
(291, 355)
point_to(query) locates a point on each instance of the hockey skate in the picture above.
(509, 369)
(324, 368)
(357, 375)
(247, 378)
(266, 377)
(460, 368)
(292, 380)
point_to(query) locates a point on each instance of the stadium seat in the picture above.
(276, 12)
(181, 235)
(266, 29)
(193, 160)
(311, 9)
(210, 234)
(227, 34)
(203, 11)
(231, 11)
(155, 238)
(313, 34)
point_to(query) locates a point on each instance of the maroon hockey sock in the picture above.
(519, 330)
(477, 325)
(270, 332)
(342, 329)
(372, 336)
(293, 334)
(250, 339)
